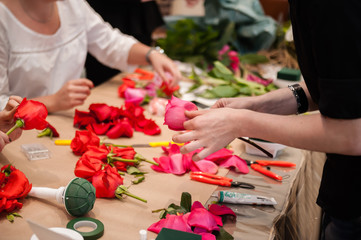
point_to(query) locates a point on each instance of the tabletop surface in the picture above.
(123, 219)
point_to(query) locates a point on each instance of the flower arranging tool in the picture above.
(78, 196)
(259, 164)
(218, 180)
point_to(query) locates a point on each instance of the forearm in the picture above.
(281, 101)
(49, 102)
(137, 54)
(311, 132)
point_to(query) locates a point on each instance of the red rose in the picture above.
(167, 89)
(15, 185)
(82, 140)
(9, 205)
(148, 127)
(122, 128)
(126, 153)
(83, 119)
(106, 181)
(29, 115)
(101, 128)
(101, 110)
(139, 121)
(126, 84)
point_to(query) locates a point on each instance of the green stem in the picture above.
(46, 132)
(134, 196)
(124, 159)
(151, 162)
(18, 124)
(117, 145)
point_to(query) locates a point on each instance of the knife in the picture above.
(43, 233)
(67, 142)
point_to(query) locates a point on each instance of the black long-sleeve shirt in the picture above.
(327, 35)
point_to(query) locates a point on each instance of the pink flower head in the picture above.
(176, 222)
(174, 113)
(157, 106)
(201, 218)
(224, 50)
(254, 78)
(135, 95)
(236, 162)
(233, 56)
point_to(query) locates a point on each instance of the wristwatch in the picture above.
(158, 49)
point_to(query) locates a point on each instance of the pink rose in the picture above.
(174, 113)
(135, 95)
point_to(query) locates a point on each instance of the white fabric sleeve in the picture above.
(4, 58)
(107, 44)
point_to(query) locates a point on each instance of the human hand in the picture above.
(192, 3)
(212, 129)
(237, 102)
(4, 139)
(72, 94)
(7, 121)
(162, 64)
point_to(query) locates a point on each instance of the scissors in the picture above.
(219, 180)
(259, 164)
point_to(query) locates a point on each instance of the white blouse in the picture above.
(34, 64)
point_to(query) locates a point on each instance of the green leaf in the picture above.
(7, 170)
(225, 91)
(221, 71)
(162, 214)
(138, 180)
(16, 214)
(10, 217)
(186, 201)
(133, 170)
(208, 94)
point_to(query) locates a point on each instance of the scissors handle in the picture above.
(211, 178)
(264, 171)
(275, 163)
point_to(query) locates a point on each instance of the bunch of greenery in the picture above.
(190, 42)
(222, 82)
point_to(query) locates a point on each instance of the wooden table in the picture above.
(124, 218)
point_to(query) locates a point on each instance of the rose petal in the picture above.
(200, 217)
(173, 222)
(235, 162)
(204, 166)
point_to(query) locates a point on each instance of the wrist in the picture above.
(300, 97)
(151, 51)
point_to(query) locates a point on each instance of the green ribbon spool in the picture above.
(97, 225)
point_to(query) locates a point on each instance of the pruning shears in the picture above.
(259, 164)
(219, 180)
